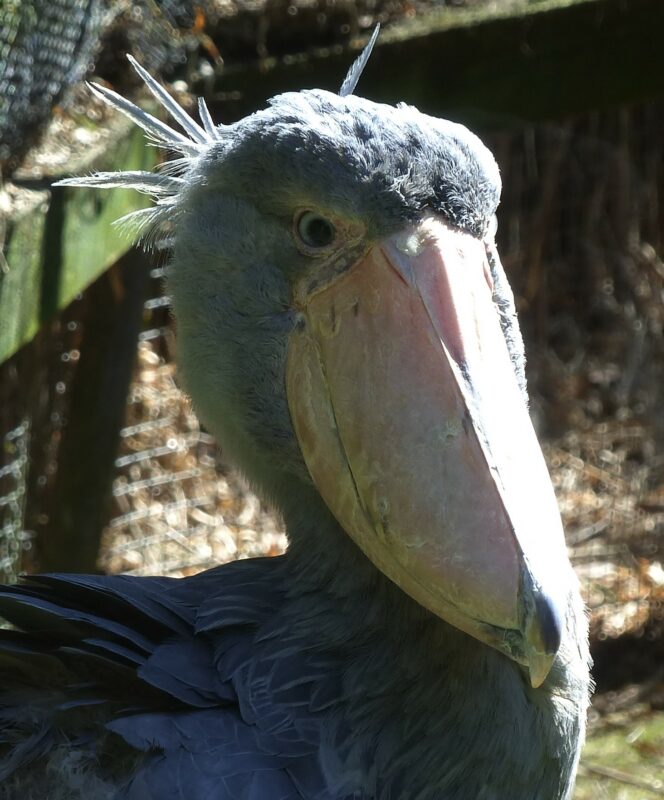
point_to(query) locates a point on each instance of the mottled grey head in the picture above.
(233, 194)
(346, 331)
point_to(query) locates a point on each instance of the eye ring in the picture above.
(314, 231)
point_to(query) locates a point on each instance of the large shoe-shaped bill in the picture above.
(414, 429)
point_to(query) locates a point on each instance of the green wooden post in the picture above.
(59, 240)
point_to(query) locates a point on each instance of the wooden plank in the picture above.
(63, 239)
(78, 502)
(505, 65)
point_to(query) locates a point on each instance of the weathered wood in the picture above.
(80, 494)
(501, 66)
(63, 239)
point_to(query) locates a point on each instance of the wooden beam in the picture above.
(504, 65)
(59, 240)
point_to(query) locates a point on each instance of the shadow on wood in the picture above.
(80, 492)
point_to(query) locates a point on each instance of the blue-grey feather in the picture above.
(157, 130)
(206, 119)
(357, 67)
(193, 130)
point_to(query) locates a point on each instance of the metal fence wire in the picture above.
(177, 507)
(14, 539)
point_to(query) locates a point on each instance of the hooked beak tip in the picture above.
(543, 638)
(550, 624)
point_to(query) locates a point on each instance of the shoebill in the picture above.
(347, 332)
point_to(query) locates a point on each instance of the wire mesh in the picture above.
(177, 507)
(14, 539)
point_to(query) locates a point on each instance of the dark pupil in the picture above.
(317, 231)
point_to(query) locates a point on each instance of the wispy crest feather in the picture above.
(163, 186)
(357, 67)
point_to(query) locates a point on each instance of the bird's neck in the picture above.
(422, 691)
(330, 571)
